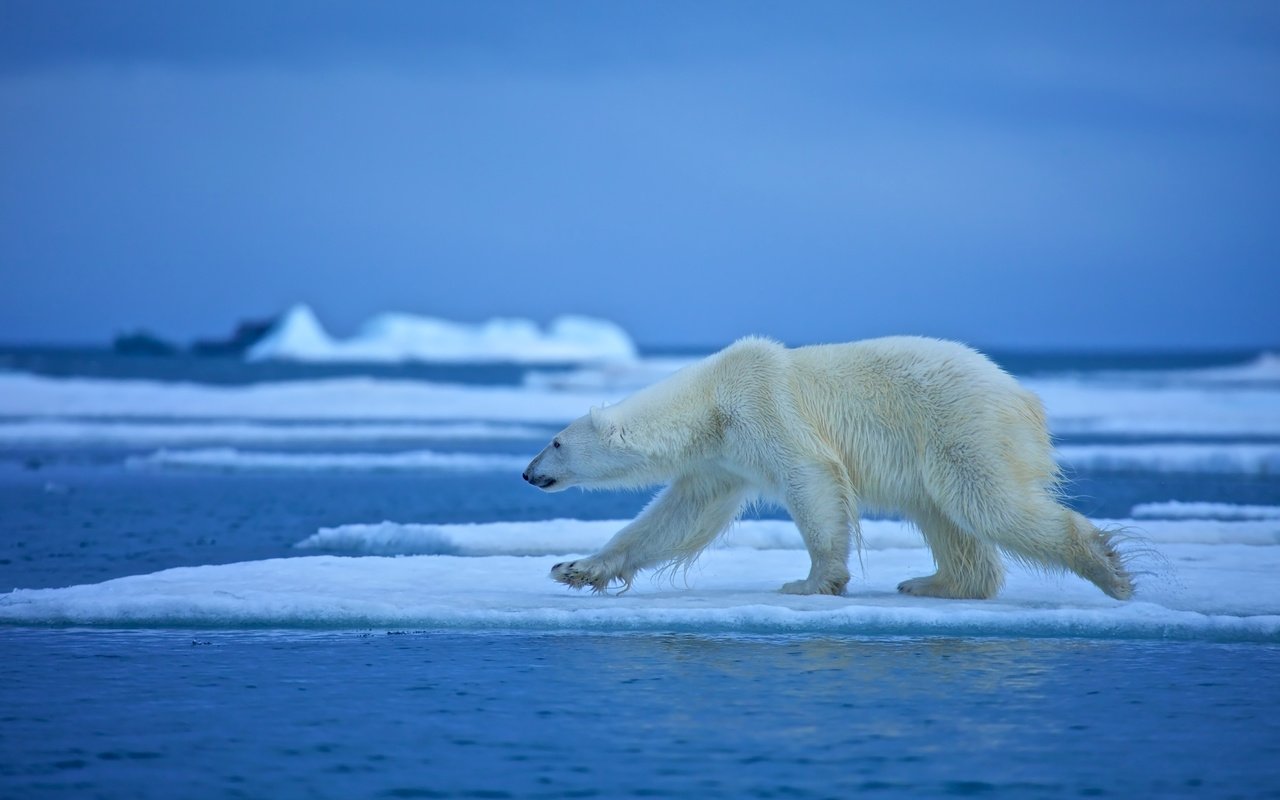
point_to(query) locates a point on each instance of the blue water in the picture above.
(392, 714)
(378, 713)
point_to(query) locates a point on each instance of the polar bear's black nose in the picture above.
(525, 475)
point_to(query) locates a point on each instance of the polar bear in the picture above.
(927, 428)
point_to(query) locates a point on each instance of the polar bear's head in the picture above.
(593, 452)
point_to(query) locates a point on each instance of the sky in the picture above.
(1089, 175)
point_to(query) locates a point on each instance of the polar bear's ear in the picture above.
(608, 428)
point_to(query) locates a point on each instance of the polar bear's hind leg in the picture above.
(968, 568)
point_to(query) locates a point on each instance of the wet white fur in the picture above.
(926, 428)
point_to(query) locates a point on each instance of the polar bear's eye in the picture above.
(555, 443)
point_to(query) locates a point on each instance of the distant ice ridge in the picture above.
(1176, 509)
(299, 336)
(569, 536)
(91, 432)
(1220, 592)
(229, 458)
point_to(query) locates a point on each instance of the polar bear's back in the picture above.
(899, 406)
(930, 375)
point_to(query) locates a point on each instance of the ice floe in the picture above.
(1223, 591)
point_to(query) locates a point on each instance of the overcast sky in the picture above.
(1011, 174)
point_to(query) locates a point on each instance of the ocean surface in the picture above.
(296, 581)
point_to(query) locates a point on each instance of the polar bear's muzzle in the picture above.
(536, 477)
(541, 481)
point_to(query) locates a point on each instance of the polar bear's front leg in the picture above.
(680, 522)
(822, 506)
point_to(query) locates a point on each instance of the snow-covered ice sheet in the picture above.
(299, 336)
(1220, 592)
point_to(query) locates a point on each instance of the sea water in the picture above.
(274, 581)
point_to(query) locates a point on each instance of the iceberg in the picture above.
(299, 336)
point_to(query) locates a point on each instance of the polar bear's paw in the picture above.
(934, 586)
(583, 573)
(815, 586)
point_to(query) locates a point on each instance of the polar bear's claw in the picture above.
(578, 575)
